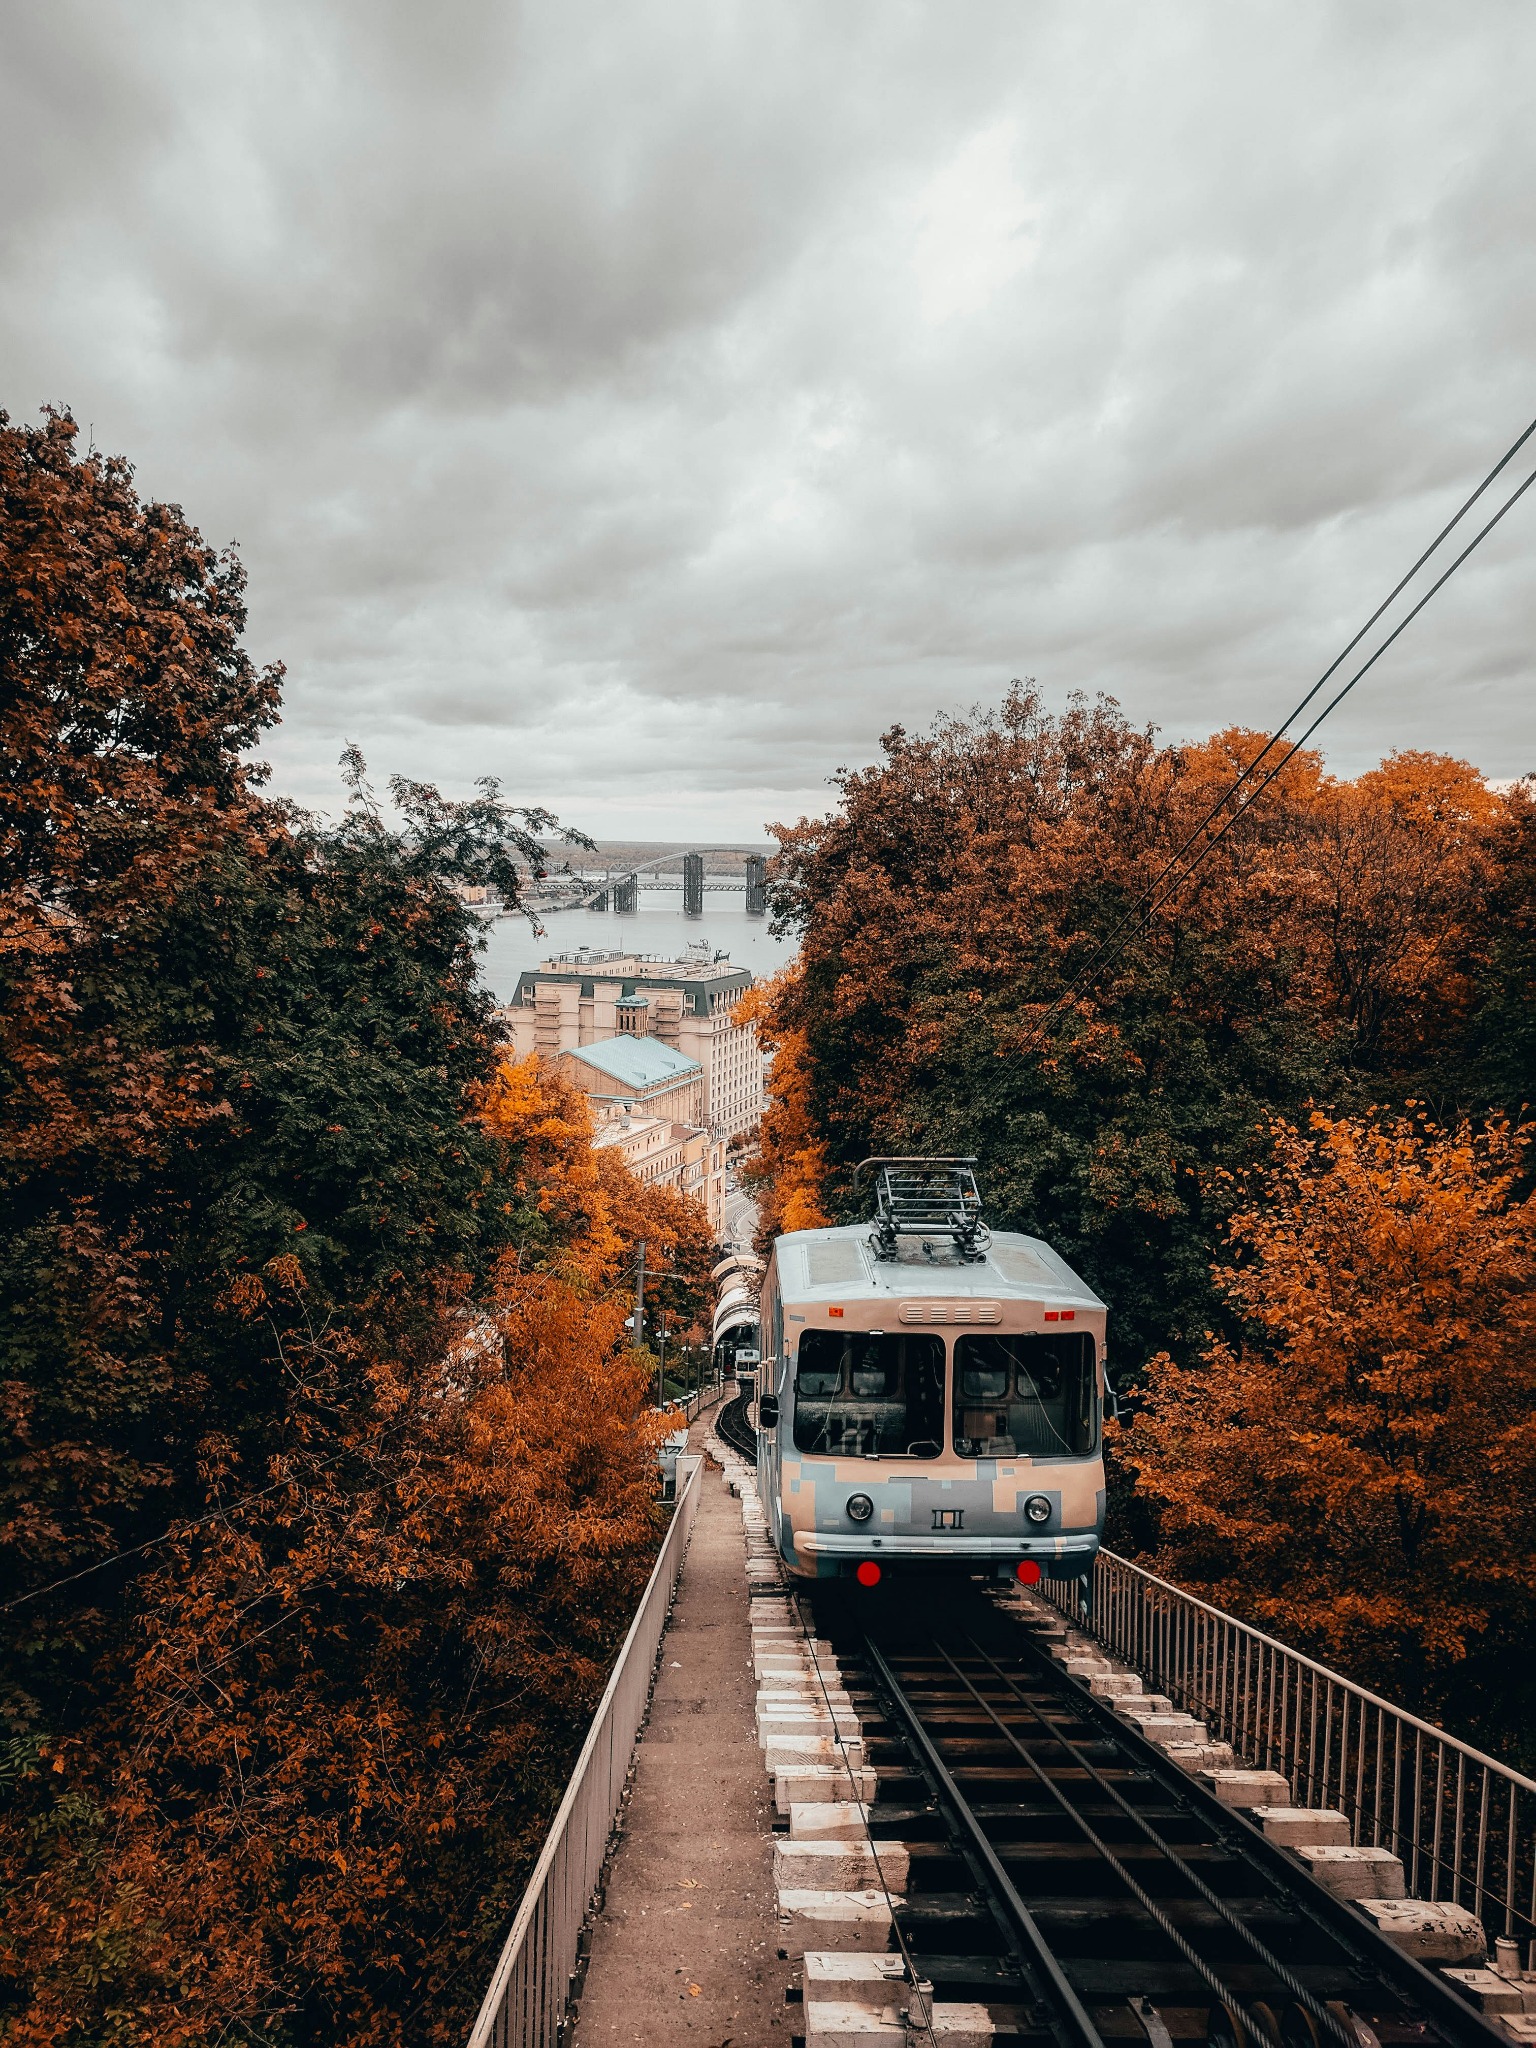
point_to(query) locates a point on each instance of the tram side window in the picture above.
(1025, 1397)
(860, 1395)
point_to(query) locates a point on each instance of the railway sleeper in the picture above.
(1078, 1927)
(1028, 1819)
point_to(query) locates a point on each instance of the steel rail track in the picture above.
(1066, 1873)
(733, 1428)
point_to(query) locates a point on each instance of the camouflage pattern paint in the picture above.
(806, 1495)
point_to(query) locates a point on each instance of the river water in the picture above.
(658, 927)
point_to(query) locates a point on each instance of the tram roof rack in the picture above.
(932, 1198)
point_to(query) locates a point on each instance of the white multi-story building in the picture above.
(670, 1155)
(580, 998)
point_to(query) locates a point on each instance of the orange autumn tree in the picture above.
(596, 1208)
(1356, 1470)
(974, 977)
(787, 1167)
(326, 1841)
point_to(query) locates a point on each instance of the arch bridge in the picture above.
(619, 887)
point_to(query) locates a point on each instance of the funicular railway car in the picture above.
(931, 1393)
(735, 1335)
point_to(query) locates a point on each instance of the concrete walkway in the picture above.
(686, 1949)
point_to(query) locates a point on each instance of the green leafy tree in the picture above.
(325, 1477)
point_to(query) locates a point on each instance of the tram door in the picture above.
(771, 1381)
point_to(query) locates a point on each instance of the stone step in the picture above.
(1244, 1789)
(1137, 1706)
(1200, 1758)
(1314, 1826)
(814, 1698)
(1167, 1729)
(858, 2023)
(824, 1819)
(806, 1691)
(1431, 1933)
(804, 1784)
(874, 1979)
(1490, 1992)
(793, 1748)
(1354, 1873)
(1106, 1685)
(841, 1920)
(805, 1721)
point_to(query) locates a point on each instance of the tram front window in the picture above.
(861, 1395)
(1025, 1397)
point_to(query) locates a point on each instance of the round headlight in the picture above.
(1037, 1509)
(860, 1507)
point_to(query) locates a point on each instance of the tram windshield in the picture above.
(861, 1394)
(1025, 1397)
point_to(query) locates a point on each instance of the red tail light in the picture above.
(1027, 1572)
(868, 1573)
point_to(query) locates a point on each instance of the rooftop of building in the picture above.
(699, 963)
(614, 1130)
(636, 1063)
(700, 974)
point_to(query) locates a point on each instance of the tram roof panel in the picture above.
(838, 1264)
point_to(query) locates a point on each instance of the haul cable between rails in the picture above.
(1136, 919)
(732, 1427)
(1017, 1911)
(1005, 1893)
(1233, 1920)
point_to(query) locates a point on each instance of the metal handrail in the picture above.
(1463, 1823)
(530, 1990)
(693, 1405)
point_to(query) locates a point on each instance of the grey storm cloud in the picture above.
(650, 404)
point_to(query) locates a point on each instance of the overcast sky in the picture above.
(649, 403)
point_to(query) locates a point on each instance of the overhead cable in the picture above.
(1135, 920)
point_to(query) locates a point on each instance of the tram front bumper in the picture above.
(1075, 1553)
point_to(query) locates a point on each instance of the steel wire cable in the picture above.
(1002, 1885)
(176, 1531)
(1297, 1989)
(1243, 809)
(1156, 895)
(1221, 1991)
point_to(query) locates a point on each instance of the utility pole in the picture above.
(642, 1274)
